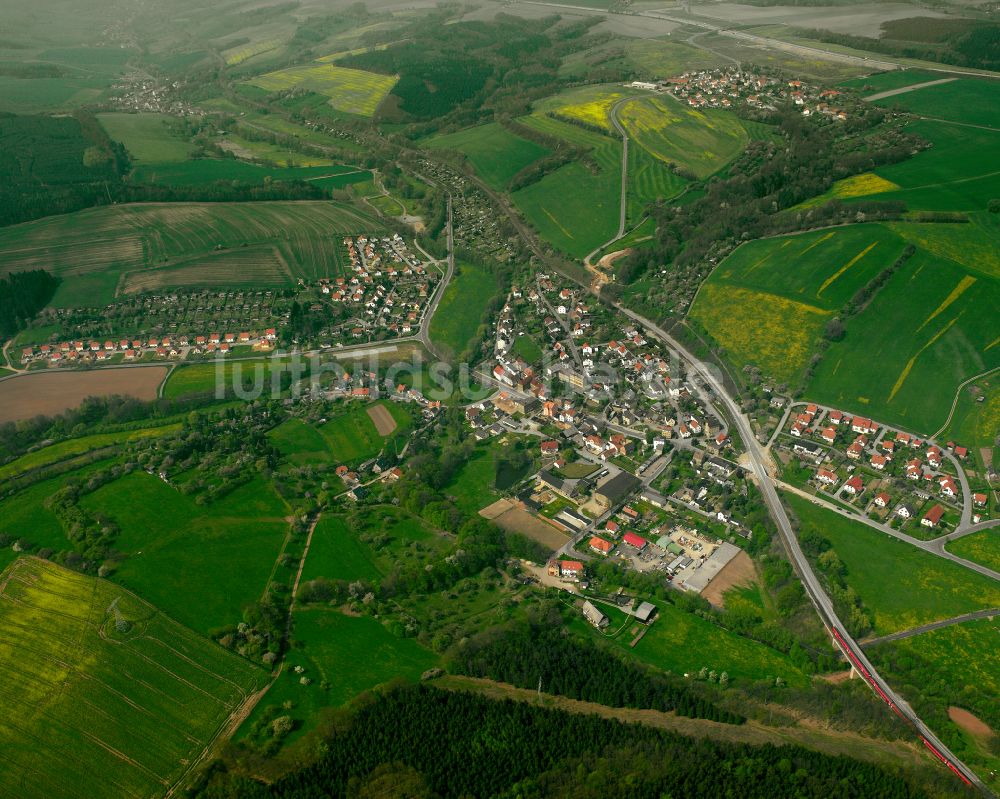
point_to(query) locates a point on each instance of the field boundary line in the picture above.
(954, 401)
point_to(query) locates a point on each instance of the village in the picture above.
(732, 88)
(888, 475)
(383, 294)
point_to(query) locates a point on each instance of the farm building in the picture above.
(594, 616)
(645, 613)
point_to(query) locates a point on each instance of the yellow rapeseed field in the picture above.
(352, 91)
(244, 52)
(596, 112)
(775, 333)
(862, 185)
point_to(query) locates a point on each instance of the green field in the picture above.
(682, 643)
(339, 553)
(91, 710)
(336, 553)
(91, 250)
(341, 656)
(973, 102)
(495, 152)
(201, 378)
(941, 313)
(649, 180)
(983, 547)
(26, 516)
(299, 442)
(209, 170)
(951, 175)
(886, 81)
(148, 138)
(573, 208)
(656, 59)
(955, 666)
(463, 306)
(64, 450)
(903, 586)
(768, 304)
(526, 347)
(975, 424)
(352, 91)
(352, 436)
(701, 141)
(199, 563)
(590, 105)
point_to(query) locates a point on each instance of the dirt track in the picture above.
(384, 423)
(49, 393)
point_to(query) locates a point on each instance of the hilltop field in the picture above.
(123, 698)
(770, 301)
(576, 207)
(104, 252)
(927, 329)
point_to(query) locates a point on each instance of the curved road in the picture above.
(814, 589)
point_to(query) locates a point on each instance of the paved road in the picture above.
(425, 323)
(814, 589)
(937, 625)
(935, 547)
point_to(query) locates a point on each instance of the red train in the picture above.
(859, 666)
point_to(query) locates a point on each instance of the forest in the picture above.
(22, 295)
(424, 742)
(55, 164)
(525, 655)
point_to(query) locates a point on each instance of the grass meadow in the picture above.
(574, 208)
(951, 175)
(682, 643)
(982, 547)
(201, 378)
(54, 453)
(930, 327)
(25, 515)
(590, 105)
(341, 656)
(198, 563)
(90, 710)
(495, 152)
(147, 137)
(975, 424)
(339, 552)
(904, 355)
(463, 306)
(351, 91)
(973, 102)
(649, 179)
(209, 170)
(91, 249)
(903, 586)
(351, 437)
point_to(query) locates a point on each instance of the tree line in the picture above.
(527, 655)
(425, 742)
(22, 296)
